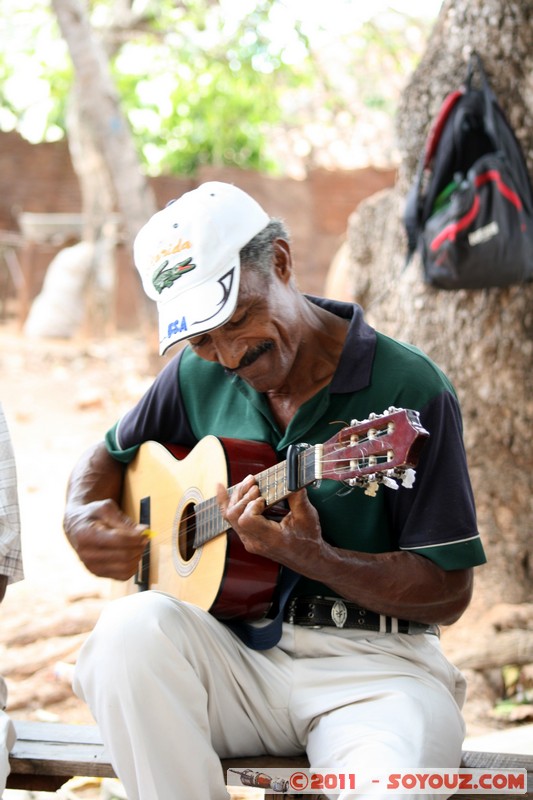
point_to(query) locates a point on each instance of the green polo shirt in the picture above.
(436, 518)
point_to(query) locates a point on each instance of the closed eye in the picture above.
(198, 342)
(235, 322)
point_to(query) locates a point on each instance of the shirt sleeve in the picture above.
(10, 545)
(437, 517)
(159, 416)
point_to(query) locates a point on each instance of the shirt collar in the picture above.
(354, 369)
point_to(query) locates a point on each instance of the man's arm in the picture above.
(399, 584)
(108, 542)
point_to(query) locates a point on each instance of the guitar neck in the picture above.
(275, 484)
(381, 449)
(302, 468)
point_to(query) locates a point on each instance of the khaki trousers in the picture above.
(174, 691)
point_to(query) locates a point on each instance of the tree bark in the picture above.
(482, 339)
(101, 226)
(100, 109)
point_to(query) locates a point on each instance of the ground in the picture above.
(59, 397)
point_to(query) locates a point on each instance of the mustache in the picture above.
(250, 356)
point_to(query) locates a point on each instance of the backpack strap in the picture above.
(489, 98)
(438, 126)
(413, 203)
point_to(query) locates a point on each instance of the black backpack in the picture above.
(470, 208)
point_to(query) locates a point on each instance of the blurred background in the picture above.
(109, 109)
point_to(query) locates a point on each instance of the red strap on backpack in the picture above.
(438, 125)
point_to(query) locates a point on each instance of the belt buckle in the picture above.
(339, 613)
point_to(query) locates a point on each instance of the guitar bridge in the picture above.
(142, 576)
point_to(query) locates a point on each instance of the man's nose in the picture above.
(229, 353)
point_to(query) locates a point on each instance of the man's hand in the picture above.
(106, 540)
(398, 584)
(289, 542)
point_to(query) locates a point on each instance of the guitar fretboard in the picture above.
(273, 485)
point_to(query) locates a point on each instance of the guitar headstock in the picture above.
(384, 448)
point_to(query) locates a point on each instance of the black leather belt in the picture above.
(318, 612)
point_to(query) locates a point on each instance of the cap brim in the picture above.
(200, 309)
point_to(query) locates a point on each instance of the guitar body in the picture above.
(163, 486)
(195, 556)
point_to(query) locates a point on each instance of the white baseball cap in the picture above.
(188, 258)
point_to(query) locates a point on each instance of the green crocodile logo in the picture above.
(164, 278)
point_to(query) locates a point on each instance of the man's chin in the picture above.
(253, 372)
(261, 375)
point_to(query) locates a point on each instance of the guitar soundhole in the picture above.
(187, 532)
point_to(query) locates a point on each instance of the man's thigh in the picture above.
(384, 704)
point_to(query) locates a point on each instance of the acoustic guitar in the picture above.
(194, 555)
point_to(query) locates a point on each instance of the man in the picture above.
(357, 679)
(10, 571)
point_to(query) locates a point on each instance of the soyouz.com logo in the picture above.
(413, 781)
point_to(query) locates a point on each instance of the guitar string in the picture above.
(208, 508)
(207, 511)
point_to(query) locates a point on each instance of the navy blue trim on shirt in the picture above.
(354, 369)
(160, 416)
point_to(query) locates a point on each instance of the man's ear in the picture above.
(282, 260)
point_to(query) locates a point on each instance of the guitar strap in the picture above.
(267, 635)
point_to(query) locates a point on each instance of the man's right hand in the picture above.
(108, 542)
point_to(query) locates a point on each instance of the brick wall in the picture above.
(40, 179)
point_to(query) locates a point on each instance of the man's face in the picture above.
(260, 341)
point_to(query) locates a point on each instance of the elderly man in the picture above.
(344, 661)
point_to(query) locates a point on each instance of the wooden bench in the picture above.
(47, 755)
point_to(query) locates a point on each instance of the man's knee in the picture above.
(130, 632)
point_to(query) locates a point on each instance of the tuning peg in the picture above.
(372, 488)
(408, 478)
(390, 483)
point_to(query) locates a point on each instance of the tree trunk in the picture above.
(100, 108)
(79, 288)
(101, 228)
(482, 339)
